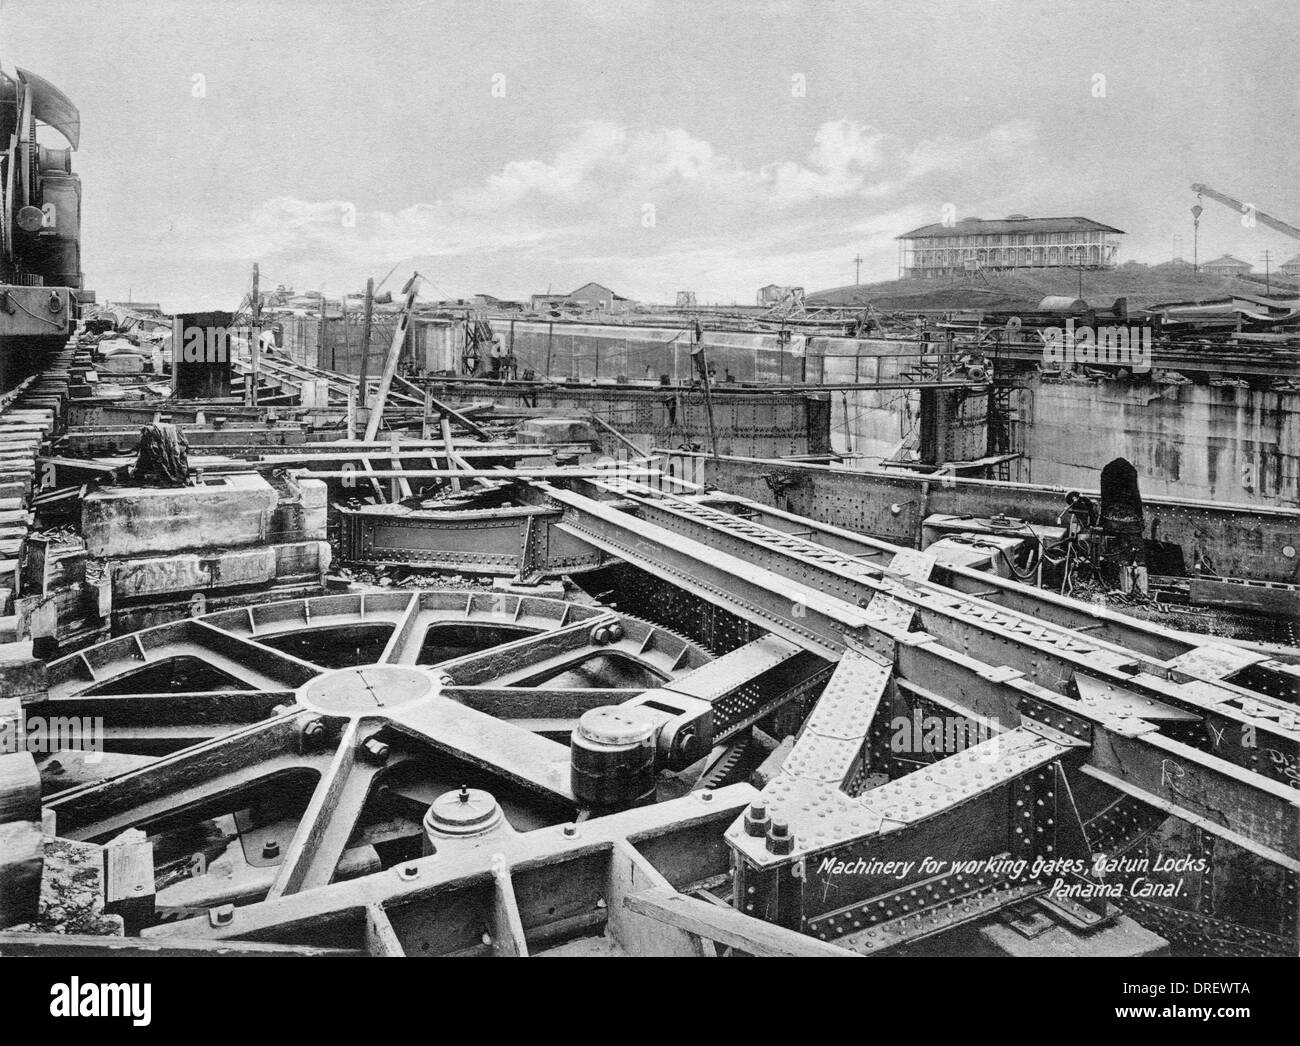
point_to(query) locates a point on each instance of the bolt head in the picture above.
(375, 750)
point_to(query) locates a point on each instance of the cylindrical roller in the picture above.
(613, 758)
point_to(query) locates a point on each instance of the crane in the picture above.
(1245, 208)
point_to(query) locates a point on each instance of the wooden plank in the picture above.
(639, 934)
(129, 882)
(728, 926)
(508, 939)
(20, 787)
(76, 945)
(381, 938)
(390, 362)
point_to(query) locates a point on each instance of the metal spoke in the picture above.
(524, 657)
(197, 706)
(405, 634)
(204, 773)
(250, 660)
(159, 723)
(527, 702)
(518, 755)
(330, 817)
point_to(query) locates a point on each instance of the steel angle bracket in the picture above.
(958, 808)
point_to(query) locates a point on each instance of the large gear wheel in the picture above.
(278, 748)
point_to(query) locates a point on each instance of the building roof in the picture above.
(1293, 261)
(593, 283)
(1014, 224)
(1228, 261)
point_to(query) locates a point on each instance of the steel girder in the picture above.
(505, 541)
(1065, 701)
(1255, 730)
(1242, 540)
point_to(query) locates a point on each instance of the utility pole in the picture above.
(323, 335)
(1268, 286)
(255, 349)
(365, 336)
(347, 340)
(1196, 231)
(857, 274)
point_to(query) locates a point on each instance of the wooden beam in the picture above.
(390, 363)
(728, 926)
(76, 945)
(129, 882)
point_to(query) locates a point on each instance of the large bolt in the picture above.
(600, 634)
(779, 839)
(270, 849)
(314, 732)
(757, 820)
(375, 750)
(615, 632)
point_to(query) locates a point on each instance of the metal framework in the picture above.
(328, 728)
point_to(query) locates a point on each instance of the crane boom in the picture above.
(1244, 208)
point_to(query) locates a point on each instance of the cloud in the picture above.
(648, 206)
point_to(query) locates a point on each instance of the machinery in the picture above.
(40, 224)
(1246, 208)
(752, 734)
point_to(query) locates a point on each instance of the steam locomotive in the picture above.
(40, 224)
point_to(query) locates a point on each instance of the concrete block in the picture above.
(22, 858)
(545, 431)
(122, 363)
(314, 493)
(148, 577)
(20, 787)
(222, 512)
(159, 575)
(296, 558)
(22, 675)
(314, 506)
(244, 566)
(313, 525)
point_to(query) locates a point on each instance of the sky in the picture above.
(523, 147)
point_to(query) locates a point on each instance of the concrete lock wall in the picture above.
(867, 423)
(1218, 443)
(431, 344)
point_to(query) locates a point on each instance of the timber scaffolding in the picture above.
(751, 659)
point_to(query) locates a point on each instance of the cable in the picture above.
(43, 319)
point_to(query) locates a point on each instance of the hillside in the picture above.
(1024, 290)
